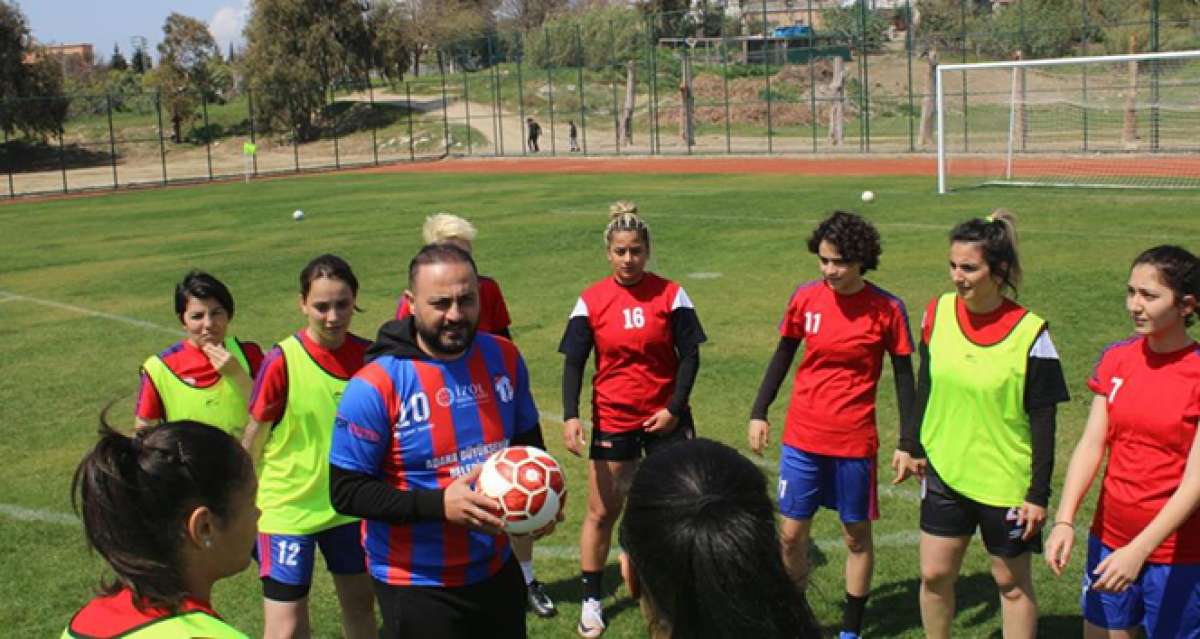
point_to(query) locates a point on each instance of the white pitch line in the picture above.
(32, 514)
(8, 296)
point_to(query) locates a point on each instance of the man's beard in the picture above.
(433, 339)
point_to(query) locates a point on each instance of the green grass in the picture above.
(540, 237)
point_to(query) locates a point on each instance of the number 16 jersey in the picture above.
(638, 332)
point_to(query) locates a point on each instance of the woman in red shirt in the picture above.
(207, 375)
(647, 339)
(1143, 559)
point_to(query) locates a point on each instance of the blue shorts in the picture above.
(289, 559)
(808, 481)
(1164, 600)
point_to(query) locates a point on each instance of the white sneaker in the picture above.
(591, 619)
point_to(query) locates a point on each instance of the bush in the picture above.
(845, 24)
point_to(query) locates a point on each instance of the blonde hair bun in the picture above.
(443, 227)
(621, 208)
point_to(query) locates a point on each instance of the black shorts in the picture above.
(946, 513)
(491, 608)
(631, 445)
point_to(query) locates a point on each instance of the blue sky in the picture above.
(104, 23)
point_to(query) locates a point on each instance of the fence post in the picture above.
(62, 158)
(908, 54)
(296, 136)
(1083, 67)
(812, 77)
(12, 191)
(864, 91)
(725, 86)
(445, 106)
(497, 136)
(550, 86)
(467, 106)
(374, 127)
(521, 98)
(656, 147)
(962, 30)
(112, 142)
(162, 147)
(207, 134)
(250, 108)
(1155, 71)
(582, 93)
(412, 152)
(612, 68)
(337, 153)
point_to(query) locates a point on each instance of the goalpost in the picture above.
(1122, 121)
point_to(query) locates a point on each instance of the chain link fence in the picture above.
(807, 77)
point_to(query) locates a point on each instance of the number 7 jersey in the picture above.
(638, 332)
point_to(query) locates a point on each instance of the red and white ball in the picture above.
(528, 483)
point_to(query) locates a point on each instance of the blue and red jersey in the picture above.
(418, 424)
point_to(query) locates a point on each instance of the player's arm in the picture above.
(687, 335)
(1081, 472)
(1119, 569)
(758, 432)
(576, 345)
(268, 399)
(149, 408)
(1045, 388)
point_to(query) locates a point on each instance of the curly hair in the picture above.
(855, 238)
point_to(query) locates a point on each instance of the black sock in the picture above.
(592, 588)
(852, 614)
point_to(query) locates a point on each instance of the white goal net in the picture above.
(1130, 121)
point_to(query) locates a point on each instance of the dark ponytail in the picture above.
(996, 236)
(699, 528)
(135, 494)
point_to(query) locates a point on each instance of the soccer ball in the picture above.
(868, 196)
(298, 215)
(528, 483)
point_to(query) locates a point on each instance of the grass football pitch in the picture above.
(86, 294)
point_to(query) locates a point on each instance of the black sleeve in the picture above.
(685, 379)
(531, 437)
(688, 336)
(361, 495)
(576, 345)
(1045, 384)
(1042, 425)
(777, 370)
(910, 432)
(906, 396)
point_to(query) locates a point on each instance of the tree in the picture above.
(118, 61)
(296, 50)
(530, 14)
(32, 94)
(182, 76)
(140, 62)
(436, 24)
(391, 35)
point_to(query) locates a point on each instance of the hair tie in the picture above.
(990, 219)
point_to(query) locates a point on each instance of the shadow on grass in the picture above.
(25, 156)
(895, 609)
(570, 590)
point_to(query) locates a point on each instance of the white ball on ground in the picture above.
(868, 196)
(298, 215)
